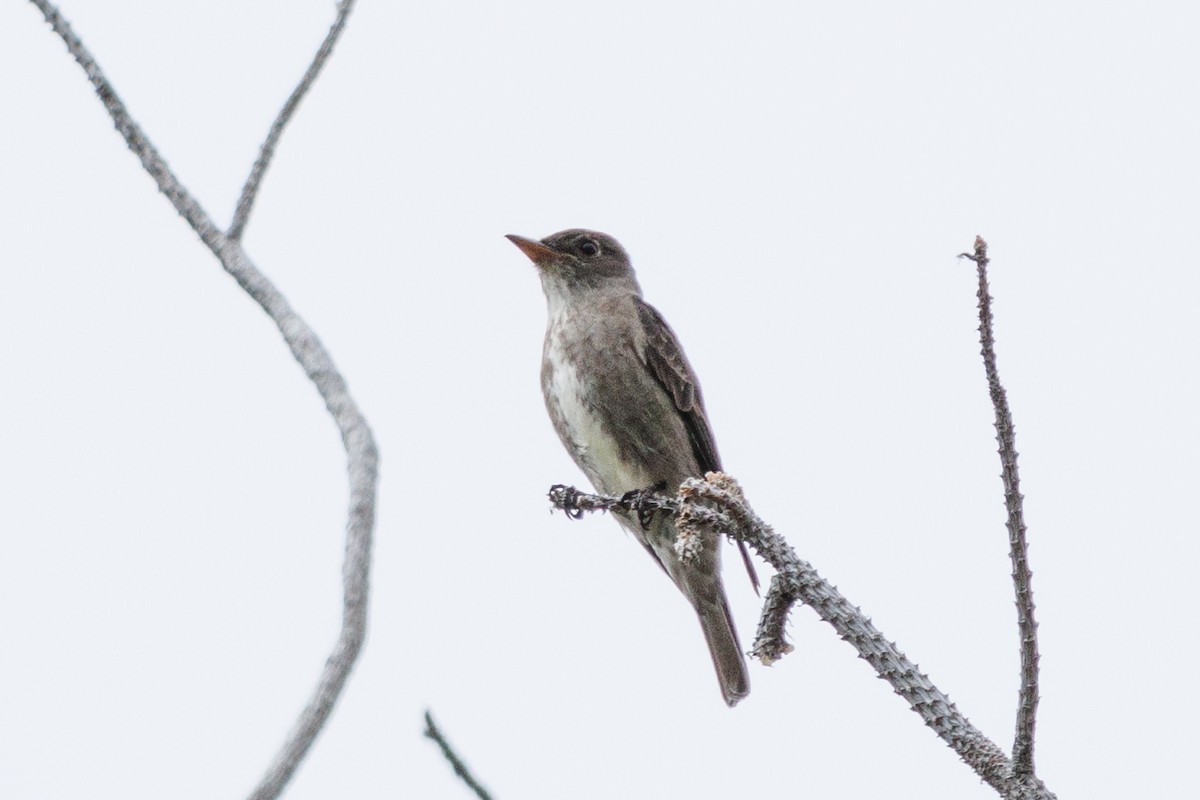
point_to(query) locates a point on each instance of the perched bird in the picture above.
(626, 404)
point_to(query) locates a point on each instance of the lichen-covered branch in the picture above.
(1014, 503)
(361, 452)
(717, 504)
(250, 190)
(460, 769)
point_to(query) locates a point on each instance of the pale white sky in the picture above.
(793, 183)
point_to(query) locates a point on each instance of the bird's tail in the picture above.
(722, 639)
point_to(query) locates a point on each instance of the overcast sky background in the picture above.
(794, 182)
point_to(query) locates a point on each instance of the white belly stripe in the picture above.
(598, 453)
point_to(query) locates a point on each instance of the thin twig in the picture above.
(361, 452)
(717, 504)
(250, 190)
(1014, 502)
(460, 769)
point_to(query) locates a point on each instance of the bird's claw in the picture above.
(637, 501)
(566, 497)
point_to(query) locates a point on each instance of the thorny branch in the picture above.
(1013, 501)
(717, 504)
(361, 453)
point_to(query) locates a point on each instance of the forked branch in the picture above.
(361, 453)
(717, 504)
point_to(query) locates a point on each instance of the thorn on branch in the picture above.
(980, 255)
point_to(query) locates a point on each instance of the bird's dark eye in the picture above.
(589, 248)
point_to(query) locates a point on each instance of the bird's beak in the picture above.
(538, 253)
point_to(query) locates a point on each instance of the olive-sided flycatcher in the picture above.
(626, 404)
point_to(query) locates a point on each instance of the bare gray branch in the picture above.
(362, 454)
(249, 194)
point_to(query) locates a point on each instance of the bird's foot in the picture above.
(638, 501)
(566, 498)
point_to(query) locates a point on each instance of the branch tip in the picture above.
(266, 152)
(1027, 701)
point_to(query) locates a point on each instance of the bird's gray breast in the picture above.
(585, 374)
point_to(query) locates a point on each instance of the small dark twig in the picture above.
(250, 190)
(460, 769)
(1014, 502)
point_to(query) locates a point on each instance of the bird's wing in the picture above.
(670, 368)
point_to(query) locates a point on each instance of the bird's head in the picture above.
(577, 261)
